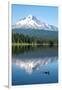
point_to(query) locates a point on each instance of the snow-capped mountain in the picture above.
(31, 22)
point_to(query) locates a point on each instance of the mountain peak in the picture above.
(32, 22)
(29, 16)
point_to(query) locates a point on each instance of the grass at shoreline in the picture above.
(32, 44)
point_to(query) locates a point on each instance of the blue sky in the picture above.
(47, 14)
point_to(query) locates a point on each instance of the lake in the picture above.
(34, 65)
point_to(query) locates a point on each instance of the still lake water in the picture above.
(34, 65)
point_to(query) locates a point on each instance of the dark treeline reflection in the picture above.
(29, 48)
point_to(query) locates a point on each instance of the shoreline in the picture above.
(32, 44)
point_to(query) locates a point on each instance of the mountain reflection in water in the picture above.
(33, 64)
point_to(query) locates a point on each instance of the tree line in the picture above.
(21, 38)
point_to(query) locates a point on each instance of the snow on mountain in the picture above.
(31, 22)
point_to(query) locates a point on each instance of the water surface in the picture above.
(34, 65)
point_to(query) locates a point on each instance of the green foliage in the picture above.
(26, 39)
